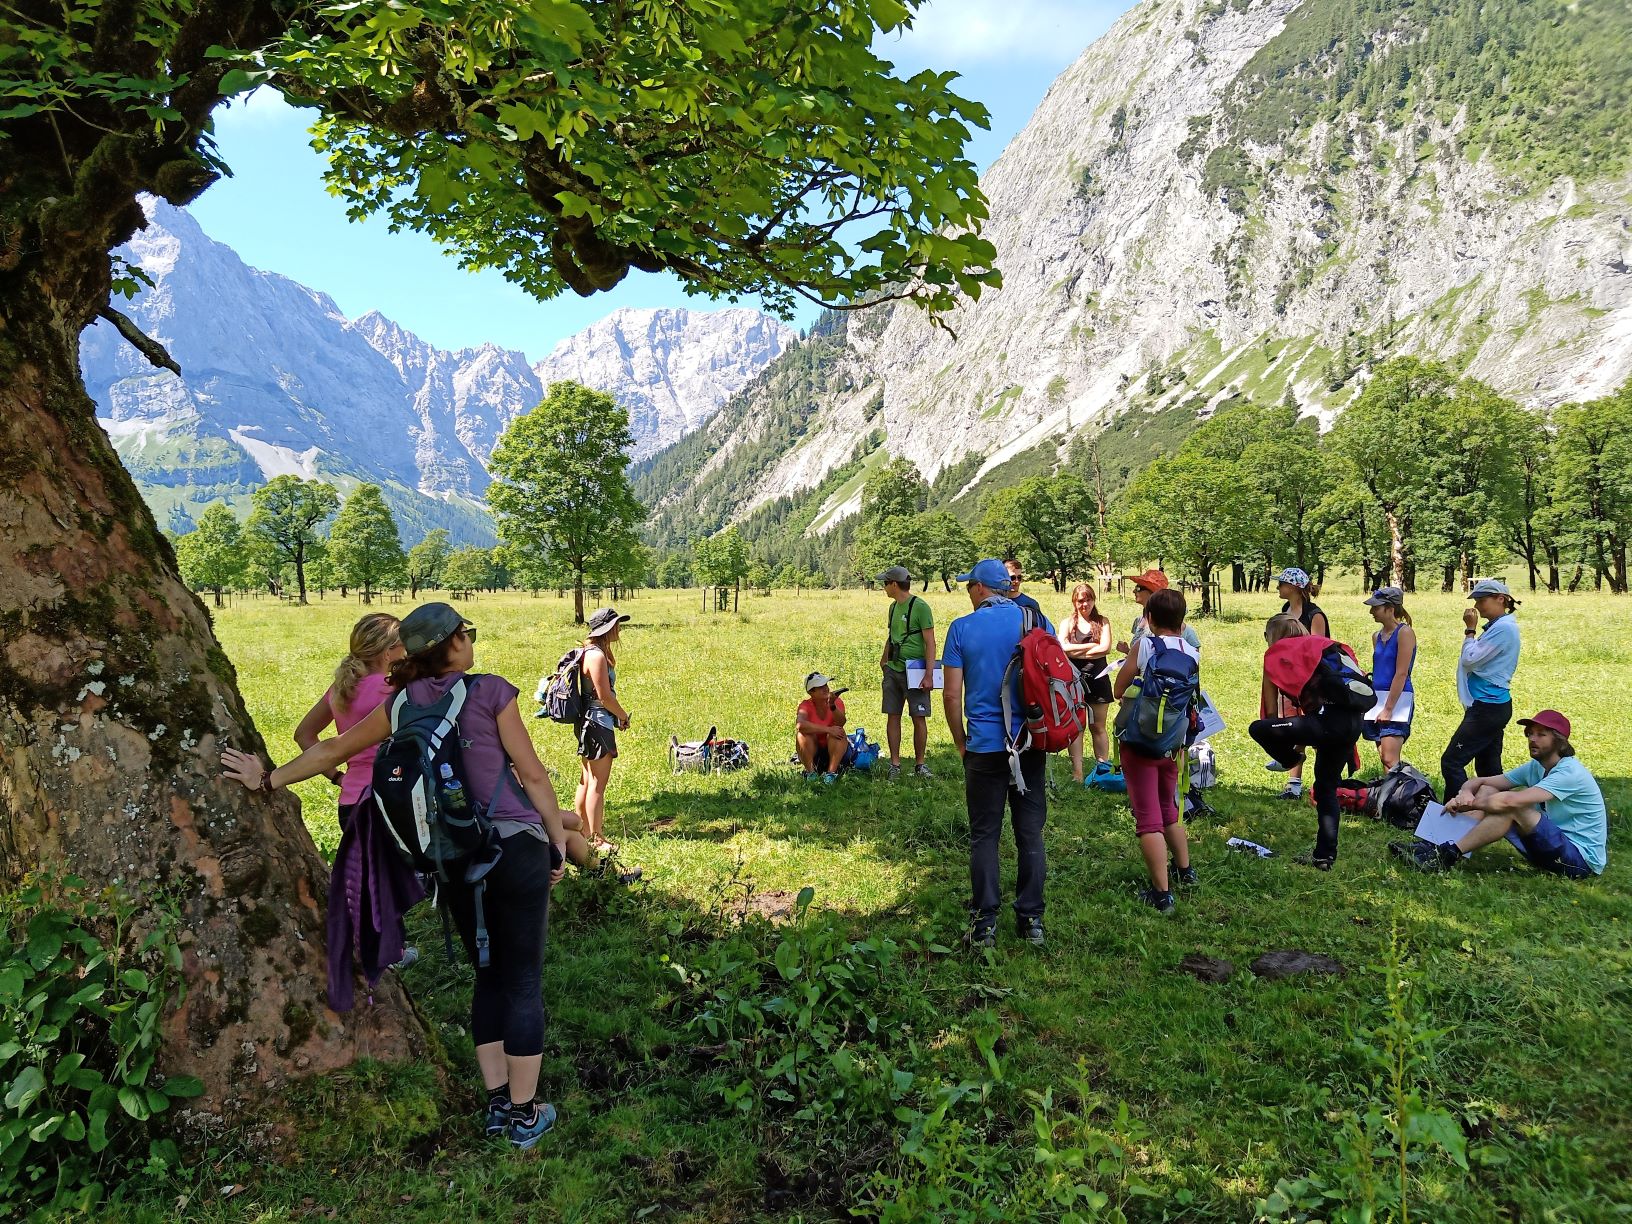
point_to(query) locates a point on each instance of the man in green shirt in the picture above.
(910, 636)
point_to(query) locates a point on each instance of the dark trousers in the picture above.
(1477, 739)
(508, 1002)
(986, 787)
(1332, 737)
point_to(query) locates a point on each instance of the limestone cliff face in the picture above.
(1139, 272)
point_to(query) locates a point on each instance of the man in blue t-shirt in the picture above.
(1549, 808)
(976, 657)
(1484, 678)
(1016, 577)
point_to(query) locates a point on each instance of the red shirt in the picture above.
(835, 712)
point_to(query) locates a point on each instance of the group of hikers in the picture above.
(425, 743)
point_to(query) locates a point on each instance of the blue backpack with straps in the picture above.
(1161, 718)
(435, 823)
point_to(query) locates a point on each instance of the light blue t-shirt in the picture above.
(1141, 629)
(982, 643)
(1576, 806)
(1490, 679)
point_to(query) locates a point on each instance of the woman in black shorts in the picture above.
(603, 718)
(1085, 636)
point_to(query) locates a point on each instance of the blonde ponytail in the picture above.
(371, 637)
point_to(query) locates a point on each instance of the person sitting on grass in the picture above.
(819, 730)
(1549, 808)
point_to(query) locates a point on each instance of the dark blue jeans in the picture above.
(987, 787)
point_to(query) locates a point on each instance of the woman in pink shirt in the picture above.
(369, 888)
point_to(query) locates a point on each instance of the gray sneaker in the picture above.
(921, 771)
(895, 772)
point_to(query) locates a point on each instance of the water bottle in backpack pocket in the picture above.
(1160, 717)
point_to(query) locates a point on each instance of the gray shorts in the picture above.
(897, 694)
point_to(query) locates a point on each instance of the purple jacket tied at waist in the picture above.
(370, 890)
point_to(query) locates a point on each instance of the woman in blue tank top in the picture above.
(1393, 654)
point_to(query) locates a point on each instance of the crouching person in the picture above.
(819, 731)
(1549, 808)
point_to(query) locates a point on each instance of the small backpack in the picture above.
(1052, 699)
(562, 694)
(862, 752)
(709, 754)
(435, 823)
(1161, 717)
(1401, 796)
(1338, 684)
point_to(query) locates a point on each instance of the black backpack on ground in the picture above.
(435, 823)
(1401, 796)
(1338, 685)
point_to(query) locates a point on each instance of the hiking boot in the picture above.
(624, 877)
(1310, 859)
(410, 955)
(529, 1122)
(1407, 851)
(810, 775)
(982, 934)
(1030, 930)
(1196, 807)
(921, 770)
(895, 772)
(1161, 901)
(1185, 875)
(496, 1117)
(1292, 791)
(830, 778)
(1426, 856)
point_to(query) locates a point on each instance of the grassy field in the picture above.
(692, 1054)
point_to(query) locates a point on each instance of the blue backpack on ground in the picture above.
(862, 752)
(436, 825)
(1160, 719)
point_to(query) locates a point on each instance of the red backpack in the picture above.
(1051, 695)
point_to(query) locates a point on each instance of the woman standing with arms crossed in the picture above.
(1085, 636)
(1393, 655)
(604, 717)
(506, 778)
(370, 888)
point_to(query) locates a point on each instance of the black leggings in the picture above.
(1333, 737)
(508, 1002)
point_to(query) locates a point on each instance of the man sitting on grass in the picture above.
(819, 730)
(1549, 808)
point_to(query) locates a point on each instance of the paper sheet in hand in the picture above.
(915, 674)
(1402, 709)
(1212, 722)
(1439, 826)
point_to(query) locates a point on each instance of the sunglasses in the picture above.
(469, 631)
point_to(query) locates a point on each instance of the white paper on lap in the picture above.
(1439, 826)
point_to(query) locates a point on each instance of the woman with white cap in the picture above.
(1484, 676)
(604, 716)
(1299, 592)
(1393, 655)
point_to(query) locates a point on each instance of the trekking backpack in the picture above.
(1052, 699)
(1402, 796)
(1161, 717)
(435, 823)
(561, 695)
(708, 754)
(1338, 684)
(862, 752)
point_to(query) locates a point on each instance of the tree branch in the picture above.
(144, 343)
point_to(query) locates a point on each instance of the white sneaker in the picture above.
(921, 771)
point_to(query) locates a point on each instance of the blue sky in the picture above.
(276, 215)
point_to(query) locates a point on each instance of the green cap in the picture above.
(428, 625)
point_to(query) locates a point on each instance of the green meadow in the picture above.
(721, 1050)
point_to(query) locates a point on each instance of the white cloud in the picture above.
(951, 33)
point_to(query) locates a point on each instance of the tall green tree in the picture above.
(739, 146)
(1592, 482)
(363, 542)
(1475, 478)
(720, 560)
(897, 540)
(212, 555)
(950, 549)
(1190, 512)
(1523, 517)
(468, 568)
(561, 487)
(288, 516)
(1047, 521)
(1389, 437)
(426, 559)
(894, 489)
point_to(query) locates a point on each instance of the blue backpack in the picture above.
(1161, 717)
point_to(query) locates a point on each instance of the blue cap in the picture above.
(990, 573)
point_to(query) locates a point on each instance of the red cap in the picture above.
(1151, 580)
(1550, 719)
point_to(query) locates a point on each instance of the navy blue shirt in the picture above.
(1026, 601)
(982, 643)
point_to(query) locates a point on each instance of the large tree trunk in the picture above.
(115, 702)
(1396, 551)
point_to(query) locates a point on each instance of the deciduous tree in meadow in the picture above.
(363, 542)
(565, 144)
(1192, 512)
(211, 556)
(426, 559)
(561, 488)
(1048, 521)
(288, 518)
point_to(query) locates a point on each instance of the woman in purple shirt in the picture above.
(504, 776)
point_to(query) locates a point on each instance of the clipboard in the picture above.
(915, 674)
